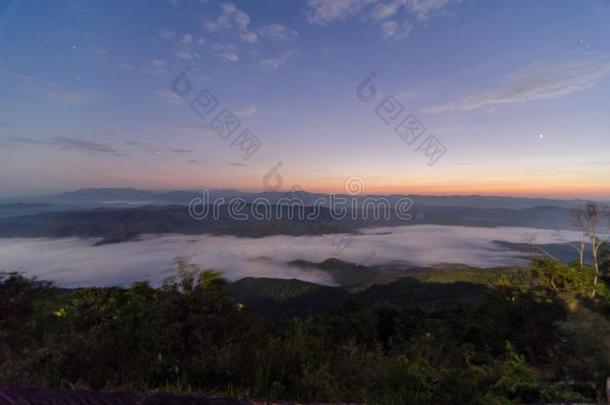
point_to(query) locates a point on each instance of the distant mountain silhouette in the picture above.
(92, 197)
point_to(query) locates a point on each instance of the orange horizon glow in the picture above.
(555, 191)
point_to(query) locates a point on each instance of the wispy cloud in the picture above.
(158, 63)
(195, 128)
(385, 10)
(72, 97)
(394, 30)
(392, 16)
(326, 11)
(278, 33)
(51, 90)
(156, 150)
(226, 53)
(249, 36)
(234, 24)
(228, 56)
(187, 39)
(539, 81)
(422, 8)
(82, 145)
(167, 34)
(247, 110)
(169, 97)
(135, 143)
(7, 126)
(184, 55)
(66, 143)
(231, 17)
(274, 63)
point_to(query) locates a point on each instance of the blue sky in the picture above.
(516, 92)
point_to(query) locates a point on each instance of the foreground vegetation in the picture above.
(537, 335)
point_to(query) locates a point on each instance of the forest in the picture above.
(540, 334)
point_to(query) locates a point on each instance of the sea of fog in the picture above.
(71, 262)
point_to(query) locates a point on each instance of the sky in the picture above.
(407, 96)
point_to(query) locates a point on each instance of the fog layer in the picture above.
(74, 262)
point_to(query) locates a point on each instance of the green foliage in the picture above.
(530, 336)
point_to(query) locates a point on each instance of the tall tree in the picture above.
(588, 219)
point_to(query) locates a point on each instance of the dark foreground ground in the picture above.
(10, 394)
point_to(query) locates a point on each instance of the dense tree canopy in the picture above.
(533, 335)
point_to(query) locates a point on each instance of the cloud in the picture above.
(421, 8)
(228, 56)
(539, 81)
(81, 145)
(75, 262)
(249, 36)
(187, 39)
(169, 96)
(167, 34)
(237, 164)
(241, 20)
(232, 17)
(184, 55)
(226, 53)
(64, 142)
(392, 29)
(51, 90)
(272, 64)
(326, 11)
(156, 150)
(72, 97)
(222, 23)
(158, 63)
(385, 10)
(247, 110)
(382, 12)
(196, 128)
(7, 126)
(135, 143)
(158, 67)
(124, 66)
(278, 33)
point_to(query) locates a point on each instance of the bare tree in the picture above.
(531, 239)
(577, 216)
(588, 219)
(578, 245)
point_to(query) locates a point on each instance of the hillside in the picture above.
(123, 224)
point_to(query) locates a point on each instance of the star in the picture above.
(541, 136)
